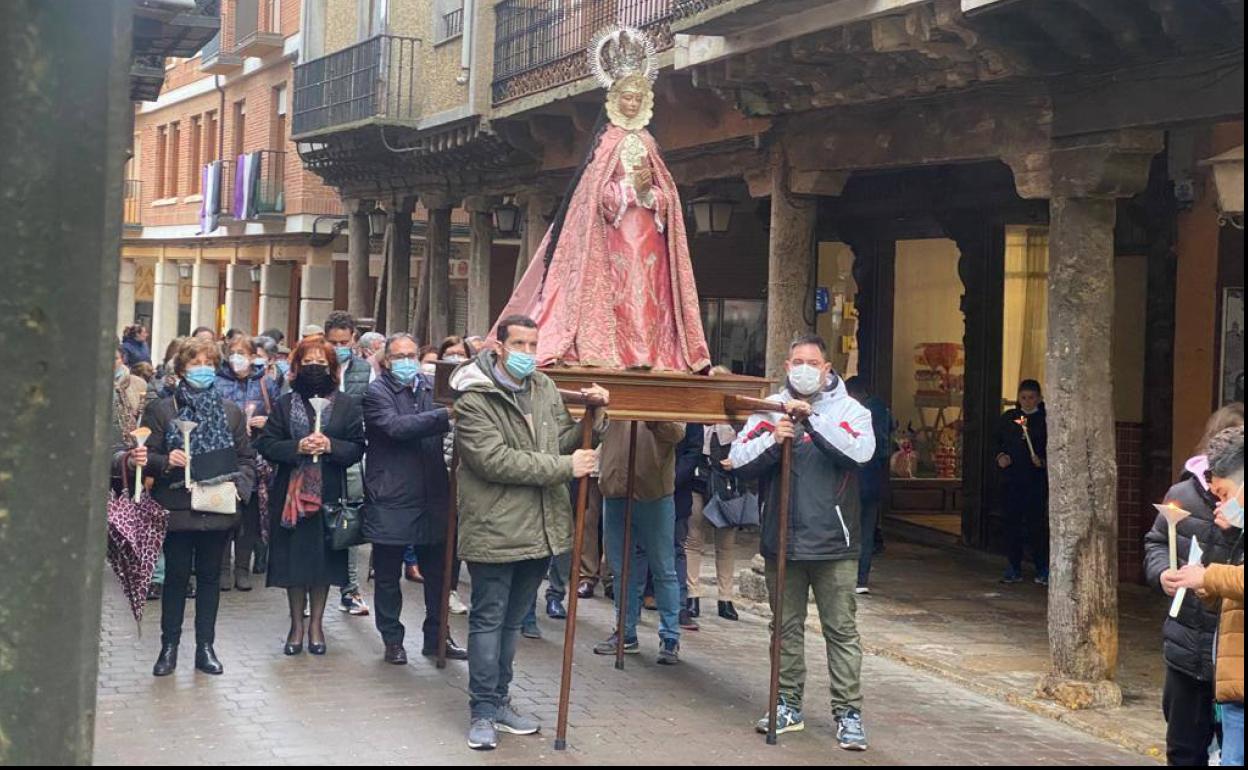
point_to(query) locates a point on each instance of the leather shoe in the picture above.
(167, 662)
(206, 660)
(396, 654)
(453, 650)
(316, 648)
(292, 649)
(585, 590)
(727, 611)
(555, 609)
(695, 607)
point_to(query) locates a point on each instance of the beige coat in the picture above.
(1225, 583)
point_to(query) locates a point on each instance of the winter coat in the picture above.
(355, 378)
(512, 478)
(829, 449)
(654, 463)
(406, 484)
(1187, 644)
(1224, 586)
(177, 500)
(1022, 473)
(256, 388)
(688, 457)
(133, 351)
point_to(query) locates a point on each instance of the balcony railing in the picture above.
(253, 185)
(371, 81)
(452, 24)
(540, 44)
(131, 203)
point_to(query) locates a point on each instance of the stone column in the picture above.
(399, 266)
(205, 278)
(274, 297)
(479, 258)
(164, 305)
(125, 296)
(438, 252)
(359, 304)
(791, 256)
(1088, 177)
(238, 289)
(539, 207)
(316, 292)
(65, 67)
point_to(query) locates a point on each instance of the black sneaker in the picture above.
(669, 653)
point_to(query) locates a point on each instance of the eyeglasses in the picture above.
(404, 356)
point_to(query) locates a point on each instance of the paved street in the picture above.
(351, 708)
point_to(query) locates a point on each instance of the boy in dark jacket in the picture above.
(832, 439)
(1022, 437)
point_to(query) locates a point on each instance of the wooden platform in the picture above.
(647, 395)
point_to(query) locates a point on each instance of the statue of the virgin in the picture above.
(611, 284)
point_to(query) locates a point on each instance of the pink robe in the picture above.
(620, 292)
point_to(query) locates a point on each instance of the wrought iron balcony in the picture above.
(254, 189)
(371, 82)
(540, 44)
(131, 203)
(257, 27)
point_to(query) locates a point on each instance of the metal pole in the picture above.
(574, 578)
(621, 589)
(777, 621)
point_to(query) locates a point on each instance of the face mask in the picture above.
(405, 370)
(260, 362)
(344, 354)
(520, 365)
(120, 373)
(313, 380)
(283, 368)
(201, 377)
(429, 368)
(238, 362)
(1233, 509)
(805, 379)
(454, 359)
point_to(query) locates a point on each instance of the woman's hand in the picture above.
(257, 423)
(136, 457)
(314, 444)
(726, 464)
(642, 181)
(178, 459)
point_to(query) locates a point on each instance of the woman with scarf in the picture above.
(243, 380)
(219, 453)
(300, 558)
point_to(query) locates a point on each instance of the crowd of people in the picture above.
(343, 420)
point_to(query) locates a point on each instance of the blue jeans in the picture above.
(557, 578)
(501, 595)
(654, 533)
(1232, 734)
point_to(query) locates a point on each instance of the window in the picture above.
(372, 18)
(210, 136)
(448, 20)
(175, 138)
(162, 148)
(193, 168)
(277, 123)
(240, 127)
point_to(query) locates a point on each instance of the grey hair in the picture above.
(393, 338)
(266, 345)
(368, 338)
(1226, 453)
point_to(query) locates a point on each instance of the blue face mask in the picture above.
(344, 354)
(1233, 509)
(520, 365)
(201, 377)
(405, 370)
(283, 368)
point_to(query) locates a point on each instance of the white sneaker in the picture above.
(860, 590)
(457, 607)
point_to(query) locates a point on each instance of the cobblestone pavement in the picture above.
(351, 708)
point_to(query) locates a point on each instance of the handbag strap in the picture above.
(264, 393)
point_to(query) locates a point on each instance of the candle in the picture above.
(140, 438)
(318, 405)
(1022, 423)
(185, 427)
(1194, 556)
(1174, 514)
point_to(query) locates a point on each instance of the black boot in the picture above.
(727, 611)
(695, 607)
(168, 660)
(206, 659)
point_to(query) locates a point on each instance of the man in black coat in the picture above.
(1188, 640)
(406, 493)
(1022, 438)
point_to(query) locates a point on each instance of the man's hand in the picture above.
(597, 391)
(797, 409)
(1170, 582)
(583, 462)
(1004, 461)
(1221, 521)
(784, 429)
(177, 459)
(1191, 576)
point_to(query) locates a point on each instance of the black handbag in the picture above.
(343, 524)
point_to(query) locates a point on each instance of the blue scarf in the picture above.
(213, 455)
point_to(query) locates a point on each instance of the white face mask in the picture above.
(806, 379)
(239, 362)
(429, 369)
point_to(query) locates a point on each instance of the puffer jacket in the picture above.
(512, 478)
(829, 449)
(1224, 585)
(1187, 641)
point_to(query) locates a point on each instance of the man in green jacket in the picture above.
(518, 450)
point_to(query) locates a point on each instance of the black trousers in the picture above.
(388, 590)
(1026, 519)
(181, 549)
(244, 536)
(1188, 706)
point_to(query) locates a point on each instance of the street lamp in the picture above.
(506, 219)
(255, 273)
(1228, 178)
(712, 214)
(184, 270)
(377, 221)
